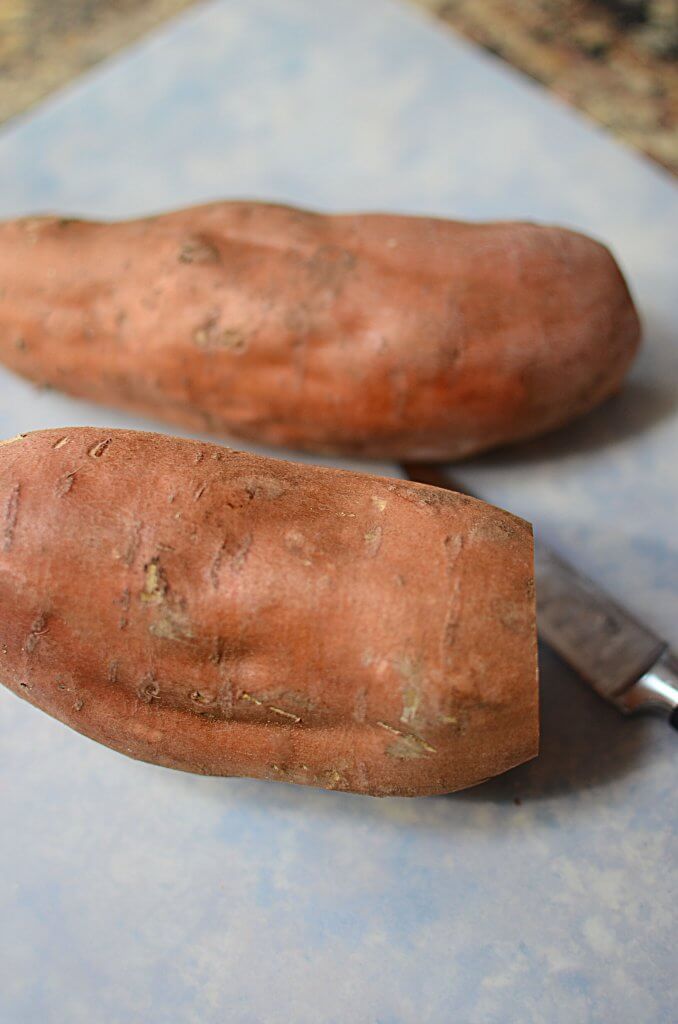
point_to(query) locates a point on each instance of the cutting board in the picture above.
(129, 893)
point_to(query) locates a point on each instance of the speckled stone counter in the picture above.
(132, 893)
(613, 59)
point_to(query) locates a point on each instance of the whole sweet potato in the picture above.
(228, 614)
(376, 335)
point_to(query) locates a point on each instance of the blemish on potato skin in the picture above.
(198, 250)
(406, 745)
(240, 554)
(284, 714)
(211, 335)
(335, 511)
(411, 701)
(360, 705)
(409, 747)
(234, 553)
(332, 779)
(389, 728)
(125, 600)
(427, 497)
(289, 771)
(410, 671)
(148, 690)
(170, 621)
(11, 515)
(453, 545)
(202, 698)
(372, 540)
(130, 553)
(512, 618)
(170, 627)
(218, 652)
(216, 566)
(38, 224)
(274, 709)
(155, 583)
(457, 719)
(330, 263)
(501, 530)
(98, 449)
(297, 544)
(225, 698)
(145, 733)
(38, 630)
(61, 443)
(264, 488)
(112, 675)
(64, 484)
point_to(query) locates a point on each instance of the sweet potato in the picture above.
(229, 614)
(375, 335)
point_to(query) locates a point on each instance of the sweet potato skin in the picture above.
(228, 614)
(375, 335)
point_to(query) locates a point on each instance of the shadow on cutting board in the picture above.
(639, 406)
(585, 742)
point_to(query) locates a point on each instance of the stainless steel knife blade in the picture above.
(624, 661)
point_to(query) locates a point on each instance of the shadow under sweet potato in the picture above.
(585, 742)
(639, 406)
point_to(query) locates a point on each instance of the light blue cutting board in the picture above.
(133, 894)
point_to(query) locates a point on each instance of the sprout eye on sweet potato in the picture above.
(376, 335)
(228, 614)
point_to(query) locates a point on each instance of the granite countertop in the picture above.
(613, 59)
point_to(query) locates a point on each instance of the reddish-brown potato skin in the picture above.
(375, 335)
(228, 614)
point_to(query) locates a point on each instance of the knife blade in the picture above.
(624, 661)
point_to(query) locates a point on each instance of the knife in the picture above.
(626, 663)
